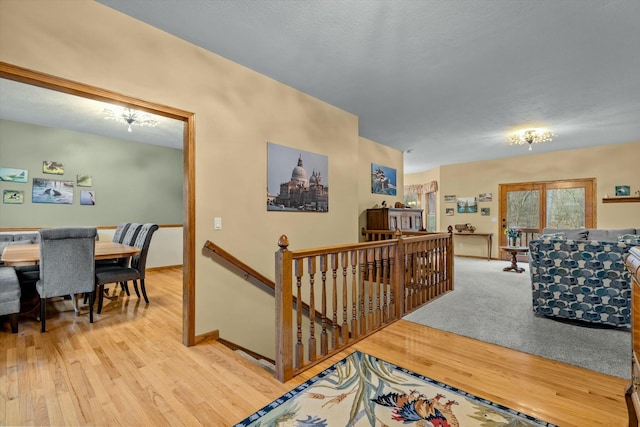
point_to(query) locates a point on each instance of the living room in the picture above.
(237, 112)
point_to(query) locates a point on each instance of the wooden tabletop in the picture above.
(30, 254)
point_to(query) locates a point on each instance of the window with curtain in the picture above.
(423, 196)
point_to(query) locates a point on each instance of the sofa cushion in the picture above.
(629, 239)
(570, 233)
(553, 236)
(609, 235)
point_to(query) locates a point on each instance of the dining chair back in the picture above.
(131, 234)
(121, 231)
(67, 265)
(136, 271)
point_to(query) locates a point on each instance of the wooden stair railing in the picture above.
(227, 256)
(361, 287)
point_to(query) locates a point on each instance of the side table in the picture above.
(514, 251)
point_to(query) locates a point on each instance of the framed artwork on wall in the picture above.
(13, 197)
(485, 211)
(449, 198)
(84, 180)
(623, 190)
(52, 191)
(467, 205)
(290, 186)
(87, 197)
(14, 175)
(55, 168)
(485, 197)
(449, 211)
(383, 180)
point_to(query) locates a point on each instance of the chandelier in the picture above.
(130, 117)
(530, 136)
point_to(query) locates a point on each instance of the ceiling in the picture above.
(444, 81)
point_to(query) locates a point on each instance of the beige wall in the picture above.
(611, 165)
(237, 112)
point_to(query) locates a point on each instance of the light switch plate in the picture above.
(217, 223)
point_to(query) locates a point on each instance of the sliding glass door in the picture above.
(532, 206)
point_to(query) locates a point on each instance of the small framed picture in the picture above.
(449, 198)
(55, 168)
(485, 211)
(485, 197)
(13, 197)
(84, 180)
(623, 190)
(87, 197)
(449, 211)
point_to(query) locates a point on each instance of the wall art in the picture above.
(55, 168)
(13, 197)
(485, 211)
(84, 180)
(297, 180)
(87, 197)
(449, 211)
(13, 175)
(383, 180)
(52, 191)
(467, 205)
(623, 190)
(485, 197)
(449, 198)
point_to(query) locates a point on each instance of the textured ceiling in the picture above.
(442, 80)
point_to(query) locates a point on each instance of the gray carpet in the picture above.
(495, 306)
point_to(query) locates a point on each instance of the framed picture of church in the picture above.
(297, 180)
(383, 180)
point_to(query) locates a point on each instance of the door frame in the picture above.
(589, 184)
(47, 81)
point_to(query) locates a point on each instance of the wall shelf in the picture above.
(621, 200)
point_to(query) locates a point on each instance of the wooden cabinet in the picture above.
(394, 218)
(633, 392)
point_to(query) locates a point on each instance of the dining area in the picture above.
(40, 268)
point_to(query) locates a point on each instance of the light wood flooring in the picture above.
(130, 369)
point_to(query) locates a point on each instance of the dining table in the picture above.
(15, 255)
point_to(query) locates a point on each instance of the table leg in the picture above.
(514, 263)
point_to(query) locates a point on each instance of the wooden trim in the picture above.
(213, 335)
(621, 200)
(99, 227)
(233, 346)
(163, 267)
(47, 81)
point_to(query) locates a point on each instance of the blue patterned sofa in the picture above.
(581, 279)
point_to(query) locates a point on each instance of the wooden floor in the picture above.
(129, 368)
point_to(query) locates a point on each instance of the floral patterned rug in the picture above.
(362, 390)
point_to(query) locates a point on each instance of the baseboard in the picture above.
(164, 267)
(213, 335)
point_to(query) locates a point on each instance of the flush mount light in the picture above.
(530, 136)
(130, 117)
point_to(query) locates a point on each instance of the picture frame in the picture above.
(297, 180)
(623, 190)
(383, 180)
(87, 198)
(13, 197)
(83, 180)
(485, 211)
(449, 198)
(52, 191)
(449, 211)
(467, 205)
(51, 167)
(485, 197)
(14, 175)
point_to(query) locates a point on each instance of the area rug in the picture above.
(362, 390)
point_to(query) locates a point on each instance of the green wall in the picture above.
(133, 182)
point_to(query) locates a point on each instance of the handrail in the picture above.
(227, 256)
(362, 287)
(241, 265)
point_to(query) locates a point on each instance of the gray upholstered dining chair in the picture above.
(135, 271)
(67, 265)
(121, 231)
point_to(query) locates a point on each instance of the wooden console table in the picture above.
(488, 236)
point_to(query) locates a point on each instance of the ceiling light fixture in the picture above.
(130, 117)
(530, 136)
